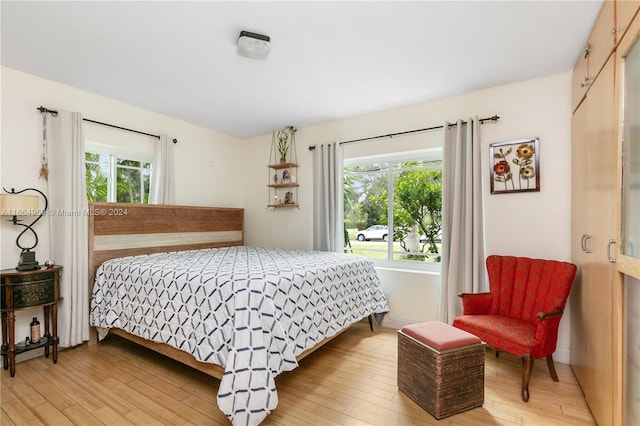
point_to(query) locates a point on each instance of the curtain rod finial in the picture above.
(44, 110)
(492, 118)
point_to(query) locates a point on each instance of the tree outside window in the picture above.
(113, 178)
(97, 173)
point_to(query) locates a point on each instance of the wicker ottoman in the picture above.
(441, 368)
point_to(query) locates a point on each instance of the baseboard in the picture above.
(396, 322)
(562, 355)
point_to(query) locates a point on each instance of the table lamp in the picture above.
(15, 204)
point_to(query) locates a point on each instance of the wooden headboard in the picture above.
(117, 230)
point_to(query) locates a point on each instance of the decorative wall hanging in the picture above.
(44, 157)
(515, 166)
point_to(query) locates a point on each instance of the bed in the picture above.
(180, 281)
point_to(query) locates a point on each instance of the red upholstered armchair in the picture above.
(522, 312)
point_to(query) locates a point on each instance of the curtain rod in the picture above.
(390, 135)
(55, 113)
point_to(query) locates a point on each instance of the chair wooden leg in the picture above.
(527, 368)
(552, 369)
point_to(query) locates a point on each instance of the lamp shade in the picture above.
(19, 205)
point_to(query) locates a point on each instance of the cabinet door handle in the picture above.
(615, 30)
(609, 258)
(585, 240)
(586, 51)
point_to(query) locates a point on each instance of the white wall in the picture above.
(204, 159)
(535, 224)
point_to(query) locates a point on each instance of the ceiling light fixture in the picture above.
(252, 45)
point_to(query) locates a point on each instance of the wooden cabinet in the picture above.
(20, 290)
(579, 176)
(594, 304)
(625, 11)
(597, 326)
(597, 303)
(594, 151)
(602, 38)
(595, 52)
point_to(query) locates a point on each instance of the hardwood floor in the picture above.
(351, 381)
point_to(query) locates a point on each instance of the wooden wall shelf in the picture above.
(283, 173)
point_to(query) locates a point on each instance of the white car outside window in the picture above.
(375, 232)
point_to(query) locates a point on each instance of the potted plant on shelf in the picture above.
(283, 143)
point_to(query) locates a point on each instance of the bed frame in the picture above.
(117, 230)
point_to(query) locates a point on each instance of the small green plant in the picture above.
(283, 142)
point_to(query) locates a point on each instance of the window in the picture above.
(400, 192)
(116, 176)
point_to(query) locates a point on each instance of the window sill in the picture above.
(401, 268)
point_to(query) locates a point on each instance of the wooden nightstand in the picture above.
(21, 290)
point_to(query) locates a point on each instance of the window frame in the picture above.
(427, 154)
(113, 154)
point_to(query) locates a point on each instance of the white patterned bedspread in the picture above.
(250, 310)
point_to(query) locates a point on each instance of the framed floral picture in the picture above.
(515, 166)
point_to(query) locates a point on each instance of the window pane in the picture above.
(416, 197)
(97, 174)
(417, 210)
(146, 180)
(116, 179)
(130, 189)
(90, 156)
(365, 209)
(132, 180)
(125, 162)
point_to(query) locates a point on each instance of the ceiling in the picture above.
(328, 60)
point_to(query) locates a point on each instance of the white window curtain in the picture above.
(162, 189)
(328, 220)
(68, 223)
(462, 268)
